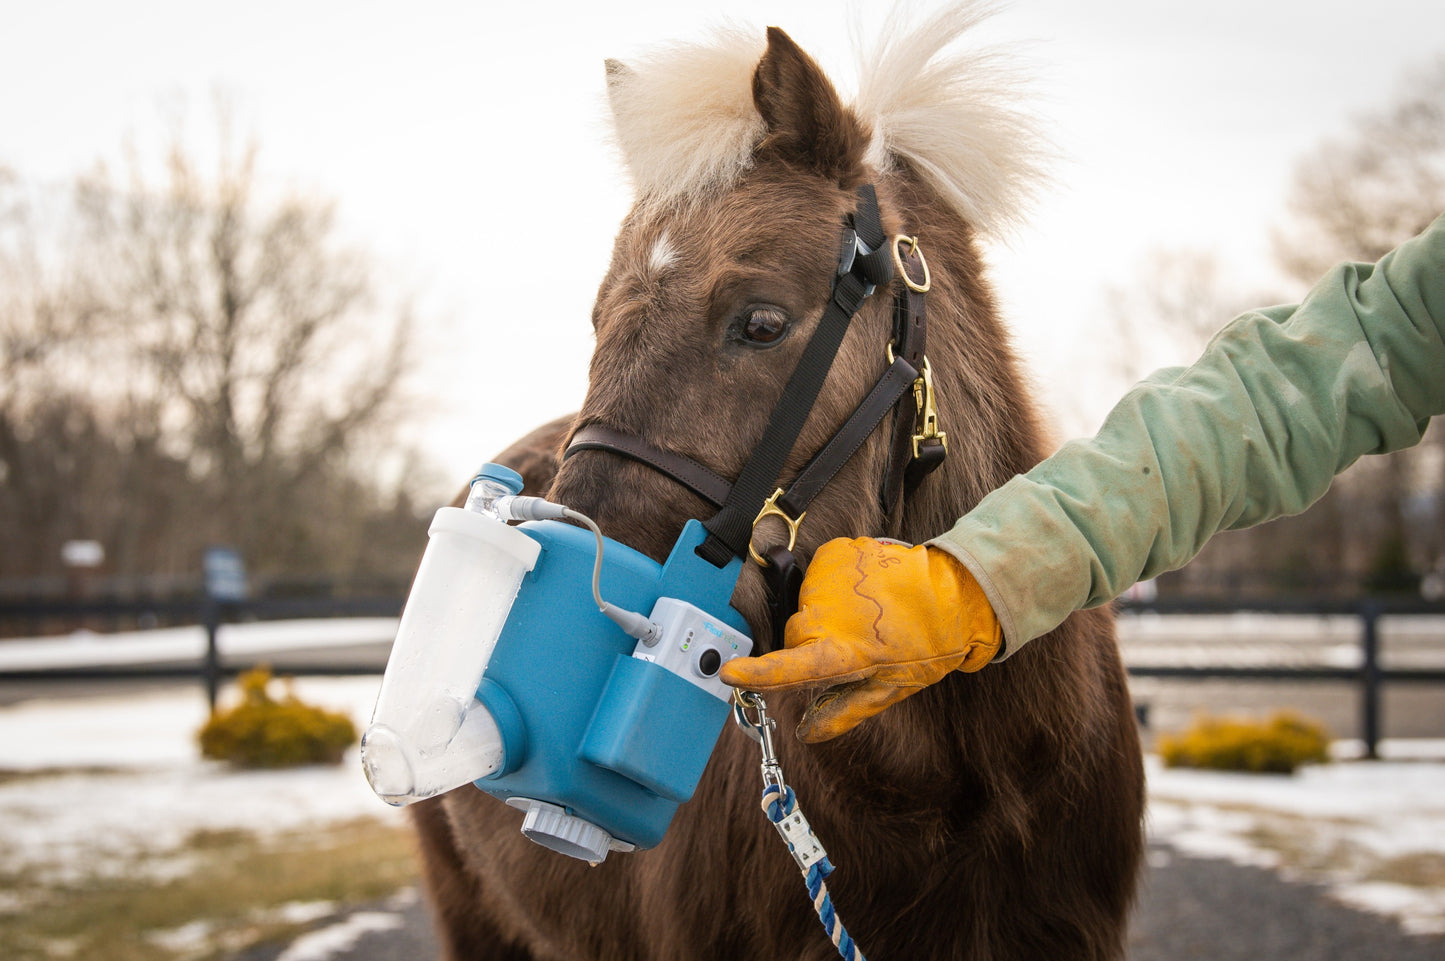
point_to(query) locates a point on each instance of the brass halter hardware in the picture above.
(771, 509)
(913, 248)
(926, 427)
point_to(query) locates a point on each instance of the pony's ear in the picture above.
(806, 122)
(618, 73)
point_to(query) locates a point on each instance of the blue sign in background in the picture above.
(225, 575)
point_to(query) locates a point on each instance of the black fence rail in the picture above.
(1369, 675)
(211, 670)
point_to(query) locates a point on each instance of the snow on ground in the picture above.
(117, 784)
(129, 786)
(1357, 826)
(336, 939)
(1246, 639)
(88, 649)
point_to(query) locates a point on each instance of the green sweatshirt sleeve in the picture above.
(1280, 401)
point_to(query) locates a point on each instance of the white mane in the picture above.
(684, 117)
(685, 122)
(955, 116)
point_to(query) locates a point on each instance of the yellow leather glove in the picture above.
(876, 622)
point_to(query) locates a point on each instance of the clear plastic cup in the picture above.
(429, 734)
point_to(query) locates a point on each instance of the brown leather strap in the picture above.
(910, 336)
(692, 475)
(891, 392)
(784, 579)
(896, 382)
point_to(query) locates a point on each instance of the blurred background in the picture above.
(275, 278)
(260, 283)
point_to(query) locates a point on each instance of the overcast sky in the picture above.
(454, 135)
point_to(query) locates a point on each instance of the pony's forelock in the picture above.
(685, 121)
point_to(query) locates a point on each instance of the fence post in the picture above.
(1370, 678)
(212, 670)
(226, 586)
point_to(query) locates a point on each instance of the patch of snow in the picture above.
(1352, 817)
(199, 938)
(301, 912)
(88, 649)
(1207, 832)
(123, 731)
(138, 817)
(331, 941)
(151, 729)
(1419, 910)
(1391, 749)
(1389, 807)
(186, 939)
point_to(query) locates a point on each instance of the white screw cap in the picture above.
(553, 828)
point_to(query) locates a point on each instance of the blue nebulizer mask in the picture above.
(594, 719)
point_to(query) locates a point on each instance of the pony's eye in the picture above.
(764, 325)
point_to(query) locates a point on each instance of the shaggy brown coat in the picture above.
(992, 816)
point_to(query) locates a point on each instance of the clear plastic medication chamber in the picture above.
(429, 733)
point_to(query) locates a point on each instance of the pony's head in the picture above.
(746, 165)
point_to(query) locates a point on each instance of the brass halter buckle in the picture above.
(913, 248)
(771, 509)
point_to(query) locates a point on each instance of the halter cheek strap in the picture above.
(863, 265)
(917, 447)
(906, 468)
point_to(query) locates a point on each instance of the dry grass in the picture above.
(13, 775)
(232, 896)
(1316, 848)
(1422, 870)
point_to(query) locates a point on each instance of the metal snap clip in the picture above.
(771, 509)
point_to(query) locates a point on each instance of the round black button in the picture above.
(708, 662)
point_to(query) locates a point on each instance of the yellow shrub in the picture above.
(264, 732)
(1277, 745)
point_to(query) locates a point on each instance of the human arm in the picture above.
(1279, 402)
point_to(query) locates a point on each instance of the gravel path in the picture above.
(1191, 909)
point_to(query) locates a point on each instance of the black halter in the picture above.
(866, 261)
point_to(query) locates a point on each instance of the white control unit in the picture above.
(693, 645)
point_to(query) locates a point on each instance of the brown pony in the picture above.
(994, 815)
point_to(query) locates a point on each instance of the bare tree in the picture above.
(1356, 197)
(240, 329)
(34, 324)
(211, 356)
(1180, 300)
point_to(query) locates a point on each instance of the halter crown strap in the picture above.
(731, 528)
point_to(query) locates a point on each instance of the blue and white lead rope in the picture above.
(781, 807)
